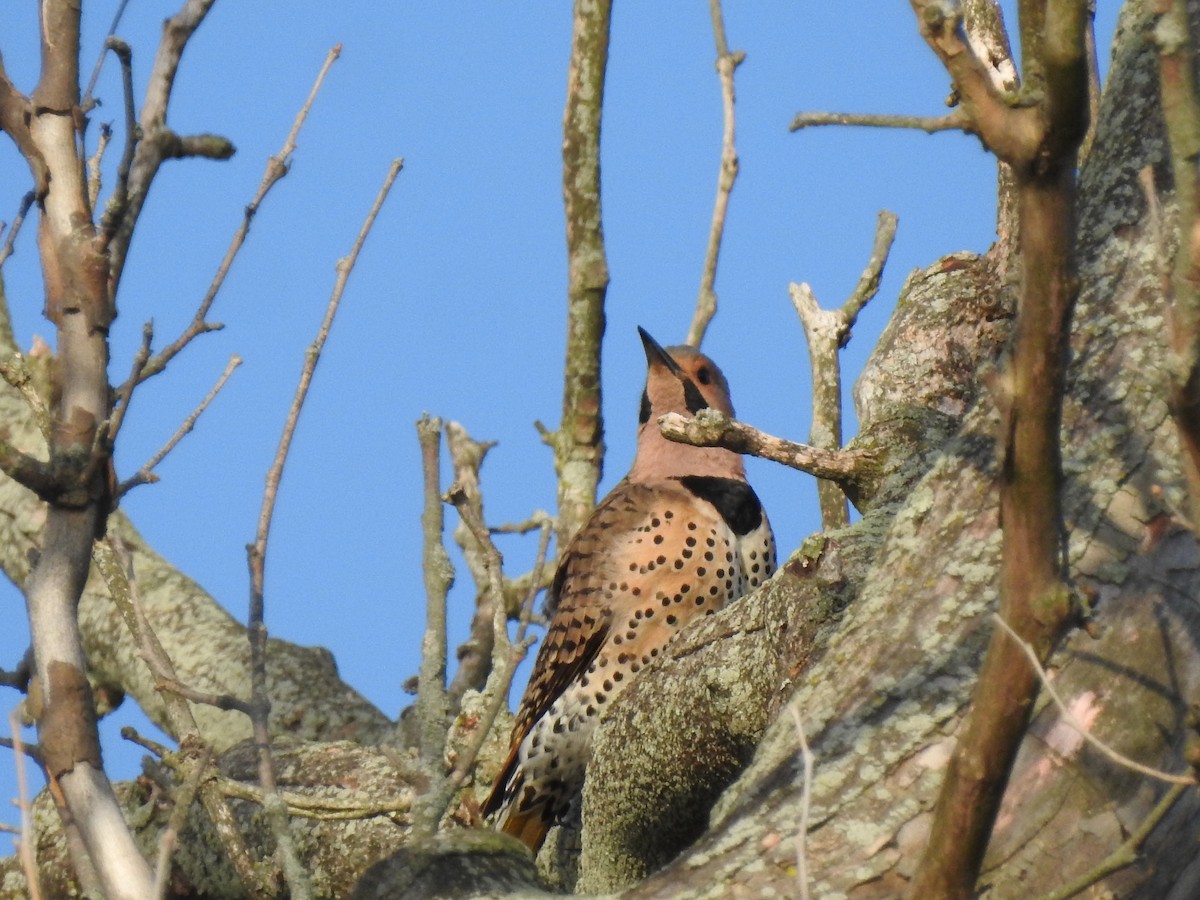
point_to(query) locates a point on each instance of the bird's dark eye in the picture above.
(703, 375)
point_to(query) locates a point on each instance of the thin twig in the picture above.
(95, 176)
(124, 394)
(293, 872)
(824, 331)
(145, 475)
(25, 846)
(118, 203)
(1125, 855)
(19, 677)
(727, 63)
(225, 702)
(176, 823)
(14, 371)
(868, 281)
(15, 228)
(533, 523)
(87, 103)
(33, 751)
(955, 121)
(277, 167)
(131, 734)
(805, 805)
(1071, 719)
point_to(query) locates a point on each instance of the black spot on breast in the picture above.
(644, 411)
(735, 500)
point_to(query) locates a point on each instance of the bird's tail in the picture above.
(529, 828)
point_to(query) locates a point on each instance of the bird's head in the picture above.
(680, 379)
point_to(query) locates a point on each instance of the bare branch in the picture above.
(145, 475)
(533, 523)
(579, 442)
(868, 282)
(275, 809)
(27, 845)
(432, 708)
(475, 655)
(727, 63)
(711, 428)
(19, 677)
(494, 565)
(1013, 133)
(120, 196)
(506, 655)
(277, 168)
(826, 332)
(503, 669)
(124, 394)
(178, 820)
(503, 677)
(131, 734)
(16, 111)
(13, 230)
(87, 102)
(314, 807)
(50, 481)
(93, 164)
(955, 121)
(1040, 140)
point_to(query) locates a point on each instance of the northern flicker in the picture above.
(682, 535)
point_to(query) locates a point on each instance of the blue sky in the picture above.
(457, 304)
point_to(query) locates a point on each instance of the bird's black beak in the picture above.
(656, 354)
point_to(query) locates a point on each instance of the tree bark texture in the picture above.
(579, 442)
(873, 633)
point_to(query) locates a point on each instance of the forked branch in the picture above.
(827, 332)
(1040, 141)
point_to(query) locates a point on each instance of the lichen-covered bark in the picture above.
(337, 846)
(662, 755)
(882, 703)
